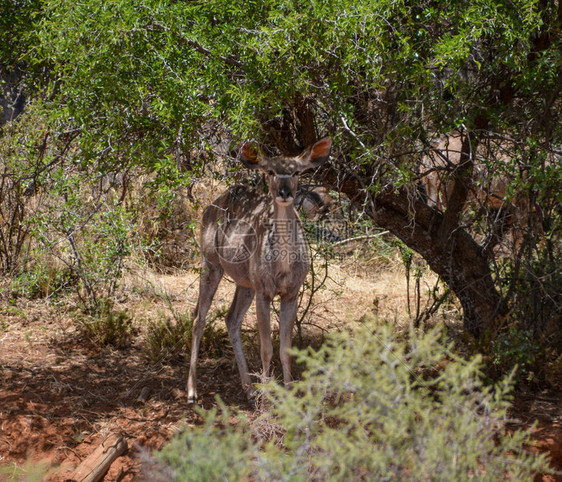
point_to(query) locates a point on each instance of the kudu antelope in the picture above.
(445, 156)
(313, 202)
(509, 217)
(257, 239)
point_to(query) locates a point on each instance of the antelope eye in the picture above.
(271, 173)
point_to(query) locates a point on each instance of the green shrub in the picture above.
(209, 453)
(107, 326)
(83, 227)
(215, 342)
(370, 406)
(515, 348)
(30, 471)
(167, 338)
(41, 280)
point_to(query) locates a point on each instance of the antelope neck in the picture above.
(284, 213)
(286, 236)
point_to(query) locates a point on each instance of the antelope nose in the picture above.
(285, 193)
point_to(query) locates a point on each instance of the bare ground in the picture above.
(60, 396)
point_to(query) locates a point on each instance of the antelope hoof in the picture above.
(192, 398)
(251, 396)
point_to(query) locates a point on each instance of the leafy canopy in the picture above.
(139, 78)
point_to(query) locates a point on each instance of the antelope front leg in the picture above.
(287, 317)
(210, 279)
(263, 306)
(240, 304)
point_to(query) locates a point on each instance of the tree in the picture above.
(16, 23)
(147, 83)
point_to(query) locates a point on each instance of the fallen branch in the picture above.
(95, 466)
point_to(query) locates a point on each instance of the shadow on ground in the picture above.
(60, 397)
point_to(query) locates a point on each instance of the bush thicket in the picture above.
(371, 405)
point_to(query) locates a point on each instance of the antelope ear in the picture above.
(315, 155)
(250, 156)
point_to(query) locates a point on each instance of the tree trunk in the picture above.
(439, 238)
(453, 255)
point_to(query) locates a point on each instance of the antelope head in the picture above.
(283, 172)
